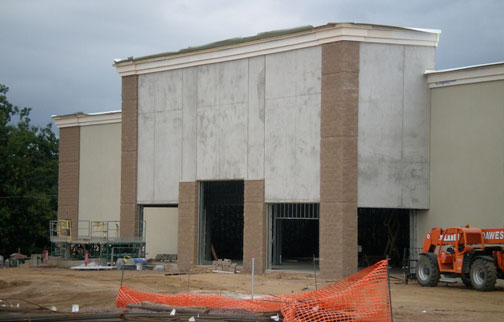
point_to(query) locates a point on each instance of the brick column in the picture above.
(129, 150)
(338, 159)
(68, 178)
(187, 253)
(254, 228)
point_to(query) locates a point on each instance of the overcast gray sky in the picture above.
(56, 56)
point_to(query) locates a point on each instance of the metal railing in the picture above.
(97, 231)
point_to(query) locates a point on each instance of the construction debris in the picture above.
(224, 265)
(130, 316)
(166, 257)
(146, 305)
(92, 267)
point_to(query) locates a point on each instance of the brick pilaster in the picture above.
(187, 225)
(338, 159)
(68, 179)
(254, 228)
(129, 151)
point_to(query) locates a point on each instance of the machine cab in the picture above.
(454, 242)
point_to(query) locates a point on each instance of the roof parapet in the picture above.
(84, 119)
(465, 75)
(276, 41)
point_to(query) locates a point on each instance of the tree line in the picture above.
(28, 180)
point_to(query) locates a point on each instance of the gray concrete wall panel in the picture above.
(233, 82)
(292, 144)
(100, 177)
(160, 92)
(145, 157)
(222, 120)
(222, 142)
(394, 124)
(189, 123)
(293, 73)
(416, 124)
(160, 103)
(167, 160)
(256, 83)
(292, 162)
(211, 122)
(208, 85)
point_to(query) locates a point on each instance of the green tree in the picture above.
(28, 180)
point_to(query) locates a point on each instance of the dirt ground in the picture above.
(96, 291)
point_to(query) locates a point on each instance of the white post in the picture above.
(252, 288)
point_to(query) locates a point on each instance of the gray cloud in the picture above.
(56, 56)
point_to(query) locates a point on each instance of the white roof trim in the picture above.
(465, 75)
(362, 33)
(87, 119)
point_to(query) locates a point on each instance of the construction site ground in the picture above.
(95, 291)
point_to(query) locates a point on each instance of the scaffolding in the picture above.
(97, 238)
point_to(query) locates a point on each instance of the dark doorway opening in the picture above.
(221, 221)
(294, 235)
(383, 233)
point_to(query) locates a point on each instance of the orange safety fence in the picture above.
(363, 296)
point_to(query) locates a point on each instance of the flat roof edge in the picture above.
(465, 75)
(275, 42)
(85, 119)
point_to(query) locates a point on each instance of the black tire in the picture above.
(466, 279)
(427, 271)
(483, 275)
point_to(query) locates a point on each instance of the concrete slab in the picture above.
(168, 156)
(256, 88)
(292, 156)
(222, 142)
(394, 124)
(145, 174)
(189, 123)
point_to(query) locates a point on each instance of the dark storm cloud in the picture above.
(56, 56)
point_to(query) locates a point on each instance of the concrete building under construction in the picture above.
(314, 141)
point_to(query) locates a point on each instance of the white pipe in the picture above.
(252, 288)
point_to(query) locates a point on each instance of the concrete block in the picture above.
(341, 56)
(129, 220)
(69, 144)
(188, 192)
(128, 177)
(187, 238)
(68, 184)
(254, 191)
(340, 104)
(338, 239)
(338, 160)
(129, 89)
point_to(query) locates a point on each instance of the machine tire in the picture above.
(427, 271)
(483, 275)
(466, 279)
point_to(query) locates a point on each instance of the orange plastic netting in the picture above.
(363, 296)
